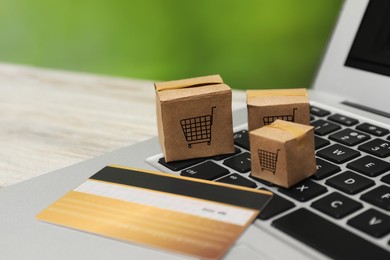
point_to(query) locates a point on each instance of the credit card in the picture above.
(184, 215)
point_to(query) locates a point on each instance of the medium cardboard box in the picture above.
(265, 106)
(283, 153)
(194, 118)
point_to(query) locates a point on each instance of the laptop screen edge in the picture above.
(354, 85)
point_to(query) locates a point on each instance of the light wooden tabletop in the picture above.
(50, 119)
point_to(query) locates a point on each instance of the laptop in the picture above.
(342, 212)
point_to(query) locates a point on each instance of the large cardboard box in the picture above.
(283, 153)
(194, 118)
(265, 106)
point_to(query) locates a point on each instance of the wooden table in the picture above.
(50, 119)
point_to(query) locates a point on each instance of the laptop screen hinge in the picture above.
(365, 108)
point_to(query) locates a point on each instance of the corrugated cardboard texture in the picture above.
(283, 156)
(194, 118)
(265, 106)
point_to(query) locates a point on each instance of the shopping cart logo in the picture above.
(270, 119)
(197, 130)
(268, 160)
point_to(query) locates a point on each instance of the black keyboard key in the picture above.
(241, 139)
(325, 169)
(369, 166)
(327, 237)
(206, 171)
(372, 222)
(266, 183)
(336, 205)
(349, 137)
(388, 138)
(240, 163)
(379, 197)
(179, 165)
(350, 182)
(304, 191)
(312, 118)
(338, 153)
(276, 206)
(318, 111)
(344, 120)
(386, 179)
(322, 127)
(236, 179)
(224, 156)
(320, 142)
(372, 129)
(377, 147)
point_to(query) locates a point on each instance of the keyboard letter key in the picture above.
(304, 190)
(350, 182)
(369, 166)
(338, 153)
(372, 222)
(379, 197)
(336, 205)
(325, 169)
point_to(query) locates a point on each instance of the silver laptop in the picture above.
(342, 212)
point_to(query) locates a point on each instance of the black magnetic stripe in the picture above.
(177, 186)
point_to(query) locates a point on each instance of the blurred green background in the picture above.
(252, 44)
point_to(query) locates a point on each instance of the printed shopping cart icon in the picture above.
(268, 160)
(270, 119)
(198, 129)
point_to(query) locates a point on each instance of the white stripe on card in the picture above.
(178, 203)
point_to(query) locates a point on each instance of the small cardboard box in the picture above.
(265, 106)
(283, 153)
(194, 118)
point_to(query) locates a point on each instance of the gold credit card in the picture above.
(184, 215)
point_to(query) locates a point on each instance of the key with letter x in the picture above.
(304, 191)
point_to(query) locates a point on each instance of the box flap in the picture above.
(297, 131)
(188, 83)
(276, 92)
(291, 128)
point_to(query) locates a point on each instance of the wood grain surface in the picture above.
(50, 119)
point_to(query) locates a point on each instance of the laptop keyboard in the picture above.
(343, 209)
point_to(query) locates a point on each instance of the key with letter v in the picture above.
(372, 222)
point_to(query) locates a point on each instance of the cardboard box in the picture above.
(194, 118)
(283, 153)
(265, 106)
